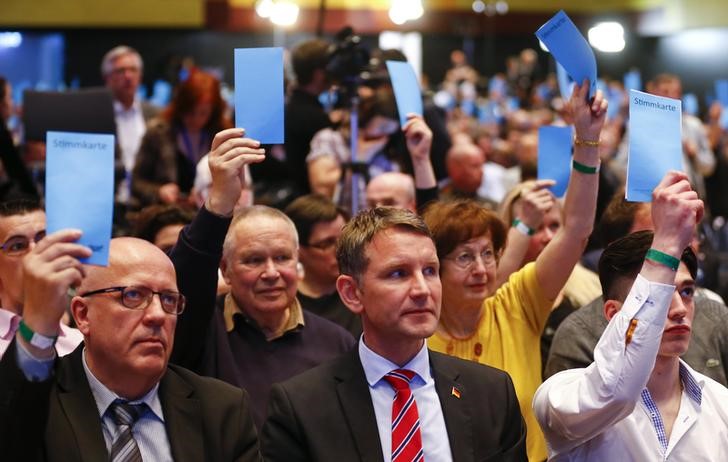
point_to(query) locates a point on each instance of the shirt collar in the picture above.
(231, 309)
(376, 366)
(120, 109)
(8, 324)
(104, 397)
(692, 386)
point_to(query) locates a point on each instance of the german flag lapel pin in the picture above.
(455, 392)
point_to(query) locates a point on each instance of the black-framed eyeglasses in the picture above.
(139, 297)
(20, 245)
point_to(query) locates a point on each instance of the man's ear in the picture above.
(223, 270)
(79, 311)
(349, 293)
(611, 307)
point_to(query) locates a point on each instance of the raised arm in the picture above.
(196, 256)
(50, 269)
(558, 258)
(535, 201)
(575, 406)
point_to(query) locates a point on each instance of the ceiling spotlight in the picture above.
(401, 11)
(264, 8)
(478, 6)
(501, 7)
(607, 37)
(284, 13)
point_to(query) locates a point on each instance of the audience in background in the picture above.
(258, 282)
(122, 68)
(318, 223)
(501, 326)
(304, 115)
(175, 142)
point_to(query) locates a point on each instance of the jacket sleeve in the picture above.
(24, 409)
(196, 258)
(282, 438)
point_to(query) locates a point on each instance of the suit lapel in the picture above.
(78, 404)
(356, 403)
(454, 399)
(182, 418)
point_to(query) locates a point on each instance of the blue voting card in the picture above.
(570, 49)
(633, 80)
(79, 188)
(566, 85)
(614, 96)
(721, 94)
(554, 156)
(406, 89)
(259, 93)
(690, 104)
(497, 87)
(655, 142)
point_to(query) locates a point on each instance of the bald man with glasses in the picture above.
(115, 397)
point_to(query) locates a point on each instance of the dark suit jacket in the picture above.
(326, 414)
(57, 420)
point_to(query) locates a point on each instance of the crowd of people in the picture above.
(423, 298)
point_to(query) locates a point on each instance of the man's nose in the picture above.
(678, 308)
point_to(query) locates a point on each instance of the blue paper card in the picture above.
(721, 94)
(497, 87)
(259, 93)
(79, 188)
(566, 85)
(554, 157)
(570, 49)
(633, 80)
(406, 89)
(690, 104)
(615, 97)
(655, 142)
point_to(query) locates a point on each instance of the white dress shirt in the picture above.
(435, 442)
(605, 413)
(130, 128)
(68, 338)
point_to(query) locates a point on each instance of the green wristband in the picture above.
(522, 227)
(663, 259)
(34, 338)
(579, 167)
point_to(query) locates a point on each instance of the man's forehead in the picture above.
(35, 221)
(683, 277)
(398, 238)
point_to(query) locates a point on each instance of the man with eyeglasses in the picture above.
(22, 225)
(318, 223)
(122, 68)
(116, 397)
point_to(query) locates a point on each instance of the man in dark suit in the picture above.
(115, 397)
(443, 408)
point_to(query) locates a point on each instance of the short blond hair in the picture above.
(361, 230)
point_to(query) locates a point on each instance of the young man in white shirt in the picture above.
(638, 401)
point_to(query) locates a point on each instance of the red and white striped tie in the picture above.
(406, 435)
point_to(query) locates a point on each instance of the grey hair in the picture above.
(248, 213)
(107, 63)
